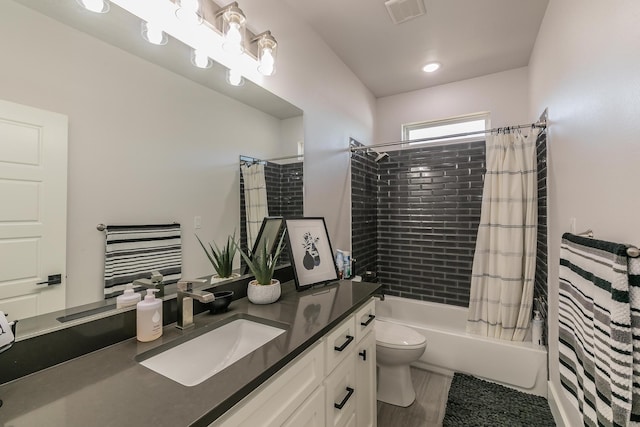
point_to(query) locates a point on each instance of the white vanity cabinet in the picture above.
(351, 371)
(332, 384)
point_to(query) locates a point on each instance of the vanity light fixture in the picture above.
(234, 77)
(431, 67)
(233, 28)
(200, 59)
(97, 6)
(153, 33)
(189, 11)
(267, 50)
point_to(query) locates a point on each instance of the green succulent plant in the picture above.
(262, 264)
(221, 258)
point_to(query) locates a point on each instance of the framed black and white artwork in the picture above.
(311, 252)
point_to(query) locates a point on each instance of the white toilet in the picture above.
(396, 347)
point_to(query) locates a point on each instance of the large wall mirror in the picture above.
(151, 139)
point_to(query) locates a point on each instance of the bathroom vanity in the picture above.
(304, 374)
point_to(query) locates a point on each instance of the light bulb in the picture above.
(234, 78)
(189, 12)
(233, 39)
(200, 59)
(97, 6)
(153, 33)
(267, 62)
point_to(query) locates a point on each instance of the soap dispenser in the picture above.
(128, 298)
(149, 317)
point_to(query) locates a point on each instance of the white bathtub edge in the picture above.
(558, 412)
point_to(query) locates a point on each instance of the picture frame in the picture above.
(310, 252)
(269, 233)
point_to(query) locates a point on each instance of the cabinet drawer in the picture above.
(365, 319)
(341, 393)
(339, 343)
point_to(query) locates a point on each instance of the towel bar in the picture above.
(632, 251)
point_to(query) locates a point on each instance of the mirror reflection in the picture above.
(269, 188)
(137, 143)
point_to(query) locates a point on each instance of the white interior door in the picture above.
(33, 210)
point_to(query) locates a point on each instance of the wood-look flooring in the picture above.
(428, 410)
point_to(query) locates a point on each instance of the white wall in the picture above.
(145, 145)
(336, 106)
(505, 95)
(586, 69)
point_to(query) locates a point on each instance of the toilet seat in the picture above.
(392, 335)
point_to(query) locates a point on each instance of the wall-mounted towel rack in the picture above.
(632, 251)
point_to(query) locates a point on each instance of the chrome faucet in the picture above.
(185, 297)
(155, 282)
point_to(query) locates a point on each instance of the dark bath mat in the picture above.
(475, 402)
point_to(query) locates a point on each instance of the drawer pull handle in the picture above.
(368, 322)
(363, 354)
(344, 401)
(346, 343)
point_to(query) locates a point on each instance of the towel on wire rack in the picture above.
(596, 348)
(133, 251)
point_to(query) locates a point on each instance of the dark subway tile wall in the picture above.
(426, 215)
(540, 291)
(429, 202)
(364, 181)
(284, 197)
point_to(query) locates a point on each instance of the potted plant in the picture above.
(264, 289)
(221, 258)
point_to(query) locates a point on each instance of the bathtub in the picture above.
(521, 366)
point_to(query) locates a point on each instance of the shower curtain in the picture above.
(255, 199)
(503, 270)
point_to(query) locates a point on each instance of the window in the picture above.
(457, 125)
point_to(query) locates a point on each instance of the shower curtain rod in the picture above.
(540, 124)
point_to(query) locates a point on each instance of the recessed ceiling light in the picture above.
(431, 67)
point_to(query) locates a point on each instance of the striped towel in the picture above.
(596, 343)
(133, 251)
(634, 293)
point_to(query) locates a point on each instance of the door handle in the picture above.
(344, 401)
(54, 279)
(363, 354)
(368, 322)
(343, 346)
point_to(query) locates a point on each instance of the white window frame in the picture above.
(409, 127)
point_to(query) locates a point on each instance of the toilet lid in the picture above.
(394, 335)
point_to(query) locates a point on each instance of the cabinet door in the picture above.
(277, 399)
(366, 381)
(311, 413)
(341, 393)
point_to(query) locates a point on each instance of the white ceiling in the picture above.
(470, 38)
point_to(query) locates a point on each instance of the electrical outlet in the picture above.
(197, 222)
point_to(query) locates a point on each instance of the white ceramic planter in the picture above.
(216, 279)
(263, 294)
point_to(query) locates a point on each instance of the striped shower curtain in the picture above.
(504, 261)
(255, 199)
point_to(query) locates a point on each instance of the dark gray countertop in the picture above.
(110, 388)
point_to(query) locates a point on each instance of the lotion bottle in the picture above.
(128, 298)
(536, 328)
(149, 317)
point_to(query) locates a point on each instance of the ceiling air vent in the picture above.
(404, 10)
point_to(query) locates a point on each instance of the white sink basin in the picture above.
(202, 357)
